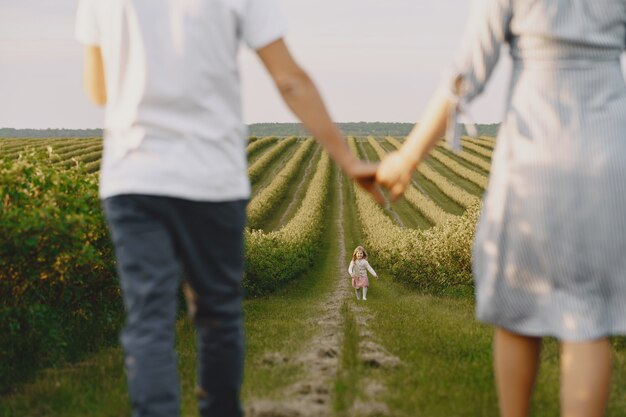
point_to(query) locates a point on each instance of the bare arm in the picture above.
(487, 29)
(93, 74)
(303, 98)
(396, 169)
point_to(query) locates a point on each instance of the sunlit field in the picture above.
(412, 349)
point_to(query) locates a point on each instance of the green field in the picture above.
(413, 349)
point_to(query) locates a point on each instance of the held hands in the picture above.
(364, 174)
(394, 173)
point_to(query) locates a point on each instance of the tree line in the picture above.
(256, 129)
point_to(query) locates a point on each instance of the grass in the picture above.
(446, 362)
(446, 358)
(348, 375)
(93, 387)
(446, 354)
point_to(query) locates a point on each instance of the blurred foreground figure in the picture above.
(550, 248)
(174, 179)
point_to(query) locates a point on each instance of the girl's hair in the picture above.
(359, 249)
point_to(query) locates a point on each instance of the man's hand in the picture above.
(303, 98)
(364, 174)
(394, 173)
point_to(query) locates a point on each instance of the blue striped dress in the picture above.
(550, 247)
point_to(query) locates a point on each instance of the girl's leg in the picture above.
(516, 361)
(365, 293)
(358, 296)
(585, 378)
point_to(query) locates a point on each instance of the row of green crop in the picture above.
(56, 268)
(257, 145)
(58, 284)
(10, 145)
(470, 175)
(277, 257)
(260, 165)
(481, 150)
(487, 141)
(53, 146)
(76, 153)
(63, 150)
(477, 161)
(435, 259)
(433, 212)
(91, 156)
(268, 198)
(60, 297)
(451, 189)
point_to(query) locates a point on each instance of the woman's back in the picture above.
(557, 191)
(549, 248)
(567, 81)
(568, 29)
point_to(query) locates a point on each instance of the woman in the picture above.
(549, 249)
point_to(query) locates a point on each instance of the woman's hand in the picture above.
(394, 173)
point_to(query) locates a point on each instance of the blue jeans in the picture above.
(157, 240)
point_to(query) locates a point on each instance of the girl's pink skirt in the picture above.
(360, 282)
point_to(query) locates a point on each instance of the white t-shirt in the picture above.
(173, 120)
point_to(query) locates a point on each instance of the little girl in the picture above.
(358, 271)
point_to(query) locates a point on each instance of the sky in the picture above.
(373, 60)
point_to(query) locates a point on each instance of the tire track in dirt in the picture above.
(370, 354)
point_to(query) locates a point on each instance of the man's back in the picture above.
(174, 94)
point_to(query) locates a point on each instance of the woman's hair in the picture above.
(359, 249)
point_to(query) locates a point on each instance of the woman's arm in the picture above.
(396, 169)
(487, 30)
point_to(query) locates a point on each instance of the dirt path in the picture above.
(312, 396)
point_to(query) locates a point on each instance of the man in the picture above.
(174, 180)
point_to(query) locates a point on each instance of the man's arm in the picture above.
(93, 75)
(303, 98)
